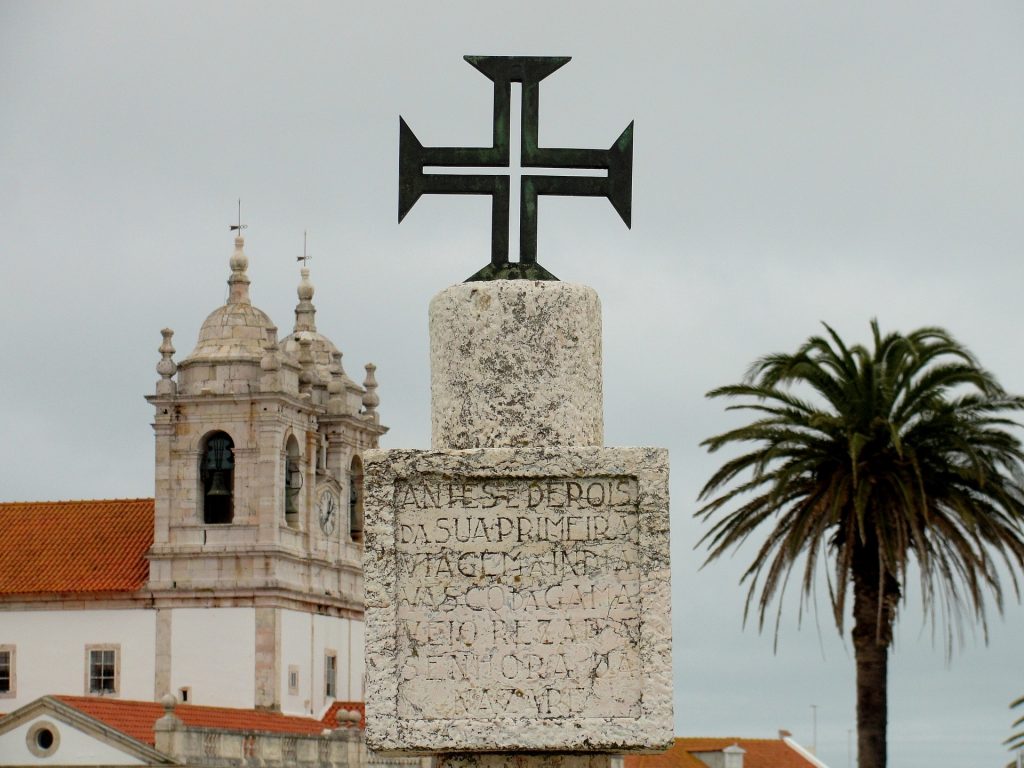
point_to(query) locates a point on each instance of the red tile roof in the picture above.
(75, 546)
(760, 753)
(136, 718)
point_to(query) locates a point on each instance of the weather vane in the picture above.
(239, 226)
(305, 257)
(617, 161)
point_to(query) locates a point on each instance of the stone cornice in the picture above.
(293, 400)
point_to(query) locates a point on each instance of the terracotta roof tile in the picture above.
(136, 718)
(75, 546)
(760, 753)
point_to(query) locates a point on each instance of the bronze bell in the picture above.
(218, 487)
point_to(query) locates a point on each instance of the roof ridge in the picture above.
(66, 697)
(725, 738)
(76, 501)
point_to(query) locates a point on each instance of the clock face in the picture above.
(327, 511)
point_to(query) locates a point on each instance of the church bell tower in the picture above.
(258, 507)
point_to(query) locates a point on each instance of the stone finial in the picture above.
(305, 312)
(270, 363)
(238, 283)
(166, 367)
(347, 718)
(169, 721)
(370, 398)
(271, 360)
(307, 376)
(336, 386)
(336, 361)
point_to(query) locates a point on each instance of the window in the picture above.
(217, 472)
(42, 739)
(7, 689)
(355, 499)
(185, 694)
(292, 482)
(331, 675)
(293, 680)
(103, 669)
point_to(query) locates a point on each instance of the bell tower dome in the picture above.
(256, 441)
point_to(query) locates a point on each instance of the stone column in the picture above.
(516, 363)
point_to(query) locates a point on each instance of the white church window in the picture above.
(293, 680)
(103, 662)
(7, 688)
(331, 674)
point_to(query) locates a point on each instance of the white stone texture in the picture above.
(513, 760)
(518, 599)
(516, 363)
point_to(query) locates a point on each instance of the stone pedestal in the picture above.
(517, 576)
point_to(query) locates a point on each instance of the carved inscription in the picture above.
(518, 597)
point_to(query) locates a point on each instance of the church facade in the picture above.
(239, 584)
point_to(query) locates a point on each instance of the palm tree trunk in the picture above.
(872, 681)
(872, 635)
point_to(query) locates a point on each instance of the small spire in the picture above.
(270, 363)
(337, 403)
(308, 377)
(305, 312)
(166, 367)
(238, 282)
(371, 399)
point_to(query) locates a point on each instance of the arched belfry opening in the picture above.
(292, 482)
(355, 499)
(217, 474)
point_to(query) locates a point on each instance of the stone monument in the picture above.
(517, 574)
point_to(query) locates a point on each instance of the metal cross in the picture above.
(239, 226)
(413, 157)
(305, 257)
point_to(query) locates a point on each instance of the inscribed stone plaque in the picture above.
(517, 599)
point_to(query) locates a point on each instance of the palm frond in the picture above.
(904, 450)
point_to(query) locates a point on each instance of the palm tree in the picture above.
(873, 460)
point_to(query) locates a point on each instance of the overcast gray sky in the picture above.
(794, 162)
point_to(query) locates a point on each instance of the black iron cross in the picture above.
(413, 157)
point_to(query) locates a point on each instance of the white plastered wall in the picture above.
(73, 747)
(305, 639)
(297, 647)
(50, 651)
(213, 652)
